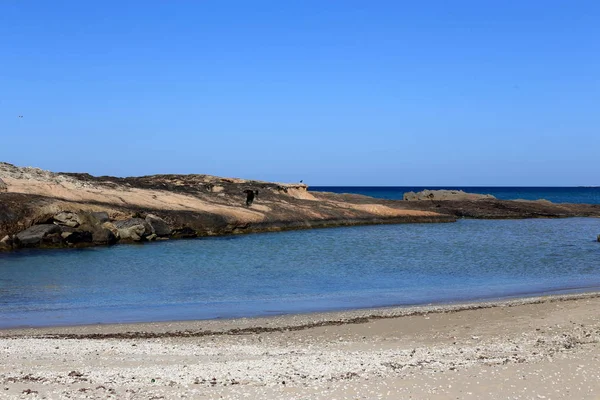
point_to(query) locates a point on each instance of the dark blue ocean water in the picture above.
(300, 271)
(590, 195)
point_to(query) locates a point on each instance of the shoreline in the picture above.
(276, 323)
(262, 228)
(545, 347)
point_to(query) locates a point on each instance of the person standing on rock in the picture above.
(250, 196)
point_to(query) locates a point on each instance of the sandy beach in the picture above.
(535, 348)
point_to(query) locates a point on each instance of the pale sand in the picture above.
(542, 348)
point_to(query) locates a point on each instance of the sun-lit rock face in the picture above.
(89, 210)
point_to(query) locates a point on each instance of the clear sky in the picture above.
(494, 92)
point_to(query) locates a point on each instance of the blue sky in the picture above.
(331, 92)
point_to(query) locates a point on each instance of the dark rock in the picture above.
(135, 229)
(101, 216)
(67, 218)
(184, 233)
(36, 234)
(103, 235)
(598, 238)
(77, 237)
(92, 230)
(158, 225)
(52, 240)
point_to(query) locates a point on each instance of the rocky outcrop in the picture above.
(3, 186)
(77, 237)
(158, 226)
(35, 235)
(45, 209)
(442, 195)
(63, 229)
(67, 218)
(135, 229)
(106, 234)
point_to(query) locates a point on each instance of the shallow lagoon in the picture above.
(300, 271)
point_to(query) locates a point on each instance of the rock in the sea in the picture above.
(3, 186)
(158, 225)
(445, 195)
(67, 218)
(598, 238)
(135, 229)
(36, 234)
(105, 234)
(77, 237)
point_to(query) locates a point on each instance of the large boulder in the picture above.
(135, 229)
(159, 227)
(77, 237)
(3, 186)
(457, 195)
(105, 234)
(67, 218)
(38, 234)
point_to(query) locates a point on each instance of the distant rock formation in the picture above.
(457, 195)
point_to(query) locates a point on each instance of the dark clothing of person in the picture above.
(250, 196)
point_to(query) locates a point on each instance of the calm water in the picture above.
(590, 195)
(301, 271)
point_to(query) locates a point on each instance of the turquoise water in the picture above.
(300, 271)
(588, 195)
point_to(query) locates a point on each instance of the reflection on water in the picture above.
(299, 271)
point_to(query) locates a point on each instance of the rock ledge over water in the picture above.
(40, 208)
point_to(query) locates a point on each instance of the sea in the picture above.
(580, 194)
(308, 271)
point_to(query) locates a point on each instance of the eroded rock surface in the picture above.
(135, 229)
(67, 218)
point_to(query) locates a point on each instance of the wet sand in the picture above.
(545, 347)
